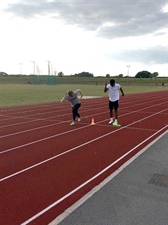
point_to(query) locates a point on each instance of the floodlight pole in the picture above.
(128, 66)
(48, 67)
(21, 64)
(34, 67)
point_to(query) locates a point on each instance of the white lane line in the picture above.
(42, 119)
(32, 129)
(39, 113)
(53, 136)
(40, 140)
(131, 98)
(30, 120)
(88, 181)
(48, 118)
(72, 149)
(56, 156)
(72, 208)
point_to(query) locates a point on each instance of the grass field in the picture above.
(23, 94)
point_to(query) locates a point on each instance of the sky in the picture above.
(96, 36)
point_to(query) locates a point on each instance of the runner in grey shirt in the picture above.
(72, 97)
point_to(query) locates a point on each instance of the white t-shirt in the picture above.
(113, 92)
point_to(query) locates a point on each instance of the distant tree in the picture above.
(107, 75)
(155, 74)
(3, 74)
(143, 74)
(83, 74)
(60, 74)
(120, 75)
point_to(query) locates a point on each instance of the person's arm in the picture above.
(79, 91)
(105, 87)
(122, 92)
(63, 99)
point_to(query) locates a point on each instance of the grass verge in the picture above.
(17, 95)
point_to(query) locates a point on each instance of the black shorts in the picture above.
(113, 105)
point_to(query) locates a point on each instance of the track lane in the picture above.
(99, 158)
(39, 150)
(52, 129)
(39, 123)
(42, 157)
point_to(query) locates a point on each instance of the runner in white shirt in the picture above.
(114, 96)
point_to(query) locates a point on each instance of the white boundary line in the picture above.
(72, 208)
(72, 149)
(51, 117)
(94, 177)
(53, 136)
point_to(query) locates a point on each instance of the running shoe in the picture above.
(116, 124)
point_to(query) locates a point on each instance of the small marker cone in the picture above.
(92, 123)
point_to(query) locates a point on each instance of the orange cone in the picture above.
(92, 123)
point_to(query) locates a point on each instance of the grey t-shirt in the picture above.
(74, 99)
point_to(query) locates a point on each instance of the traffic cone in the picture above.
(92, 123)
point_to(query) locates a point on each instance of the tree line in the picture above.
(141, 74)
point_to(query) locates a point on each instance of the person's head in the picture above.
(70, 93)
(112, 82)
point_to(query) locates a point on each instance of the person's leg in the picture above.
(76, 107)
(116, 105)
(73, 117)
(116, 114)
(75, 111)
(111, 112)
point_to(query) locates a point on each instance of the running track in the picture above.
(46, 165)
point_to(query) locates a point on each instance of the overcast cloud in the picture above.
(109, 20)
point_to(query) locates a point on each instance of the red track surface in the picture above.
(47, 165)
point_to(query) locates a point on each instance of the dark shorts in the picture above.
(113, 105)
(76, 107)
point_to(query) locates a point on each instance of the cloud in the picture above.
(149, 56)
(127, 17)
(101, 32)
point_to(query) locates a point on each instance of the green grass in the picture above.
(45, 79)
(17, 95)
